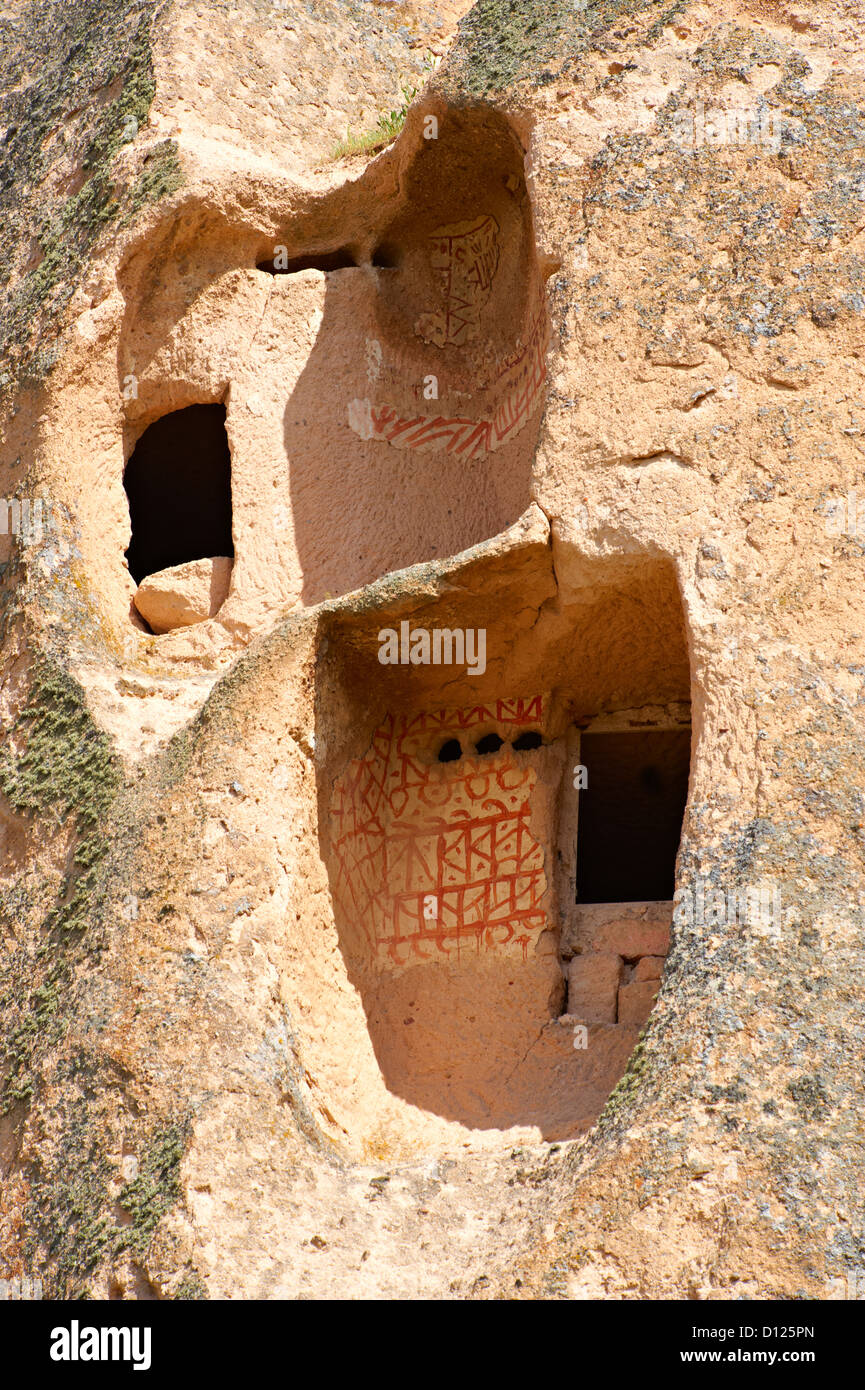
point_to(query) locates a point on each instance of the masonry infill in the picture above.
(178, 484)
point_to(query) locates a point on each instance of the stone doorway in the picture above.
(630, 813)
(178, 484)
(619, 842)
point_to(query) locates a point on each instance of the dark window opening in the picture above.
(450, 751)
(490, 743)
(630, 814)
(178, 482)
(530, 739)
(342, 259)
(386, 256)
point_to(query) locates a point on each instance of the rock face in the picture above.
(184, 594)
(540, 438)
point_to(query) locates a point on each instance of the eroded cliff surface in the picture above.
(519, 351)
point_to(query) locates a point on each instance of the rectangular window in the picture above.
(630, 814)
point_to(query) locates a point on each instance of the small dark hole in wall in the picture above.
(386, 256)
(178, 482)
(490, 743)
(528, 740)
(450, 751)
(328, 260)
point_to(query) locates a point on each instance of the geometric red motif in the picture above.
(461, 435)
(438, 858)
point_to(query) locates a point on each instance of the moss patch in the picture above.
(79, 84)
(67, 762)
(502, 43)
(191, 1286)
(149, 1196)
(75, 1224)
(67, 1217)
(161, 176)
(66, 767)
(628, 1084)
(55, 1007)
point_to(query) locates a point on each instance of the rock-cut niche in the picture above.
(388, 404)
(412, 426)
(502, 845)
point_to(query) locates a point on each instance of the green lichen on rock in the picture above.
(154, 1191)
(78, 86)
(67, 763)
(160, 176)
(502, 43)
(75, 1224)
(65, 768)
(628, 1084)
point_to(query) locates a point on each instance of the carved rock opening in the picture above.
(382, 369)
(454, 881)
(342, 259)
(178, 483)
(631, 811)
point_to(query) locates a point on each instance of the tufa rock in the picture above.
(184, 594)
